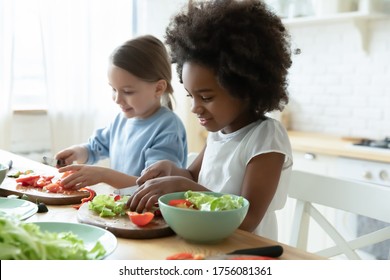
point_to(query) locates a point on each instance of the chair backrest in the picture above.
(352, 196)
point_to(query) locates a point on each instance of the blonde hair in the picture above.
(146, 58)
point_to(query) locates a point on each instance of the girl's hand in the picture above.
(82, 176)
(72, 154)
(159, 169)
(147, 194)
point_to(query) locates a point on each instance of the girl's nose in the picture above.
(116, 97)
(195, 108)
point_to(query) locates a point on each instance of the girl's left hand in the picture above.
(147, 194)
(82, 176)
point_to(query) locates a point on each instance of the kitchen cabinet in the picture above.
(315, 163)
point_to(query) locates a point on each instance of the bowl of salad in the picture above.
(203, 217)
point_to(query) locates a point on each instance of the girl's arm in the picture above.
(259, 186)
(167, 168)
(87, 175)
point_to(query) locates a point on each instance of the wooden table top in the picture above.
(158, 248)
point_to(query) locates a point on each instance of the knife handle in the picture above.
(269, 251)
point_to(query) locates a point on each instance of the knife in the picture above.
(53, 162)
(269, 251)
(274, 251)
(126, 191)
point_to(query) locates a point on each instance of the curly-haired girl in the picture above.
(232, 57)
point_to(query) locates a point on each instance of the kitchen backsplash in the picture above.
(335, 85)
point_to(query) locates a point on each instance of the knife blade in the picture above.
(269, 251)
(274, 251)
(126, 191)
(53, 162)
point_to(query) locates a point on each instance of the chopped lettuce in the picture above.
(207, 202)
(25, 241)
(106, 205)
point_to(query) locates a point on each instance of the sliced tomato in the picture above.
(43, 181)
(140, 219)
(185, 256)
(26, 179)
(53, 188)
(182, 203)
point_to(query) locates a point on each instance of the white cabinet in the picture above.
(315, 163)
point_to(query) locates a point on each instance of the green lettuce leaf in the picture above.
(106, 206)
(207, 202)
(25, 241)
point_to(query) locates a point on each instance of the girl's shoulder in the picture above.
(268, 135)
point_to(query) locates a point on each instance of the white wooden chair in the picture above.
(355, 197)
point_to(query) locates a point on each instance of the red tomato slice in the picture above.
(182, 203)
(54, 188)
(26, 179)
(43, 181)
(140, 219)
(185, 256)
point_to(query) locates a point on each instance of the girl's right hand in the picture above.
(159, 169)
(72, 154)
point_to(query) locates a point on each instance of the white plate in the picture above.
(89, 234)
(21, 208)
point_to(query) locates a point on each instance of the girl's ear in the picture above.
(161, 87)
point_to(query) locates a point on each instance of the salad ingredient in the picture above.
(28, 180)
(19, 173)
(108, 205)
(25, 241)
(182, 203)
(45, 183)
(207, 202)
(140, 219)
(185, 256)
(92, 194)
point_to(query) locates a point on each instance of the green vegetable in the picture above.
(108, 205)
(25, 241)
(207, 202)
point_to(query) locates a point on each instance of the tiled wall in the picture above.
(336, 86)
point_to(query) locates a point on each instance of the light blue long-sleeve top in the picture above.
(134, 144)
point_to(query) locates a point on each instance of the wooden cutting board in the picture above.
(8, 187)
(123, 227)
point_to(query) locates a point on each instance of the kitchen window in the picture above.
(28, 89)
(39, 32)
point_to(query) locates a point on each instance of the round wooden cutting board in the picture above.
(123, 227)
(8, 187)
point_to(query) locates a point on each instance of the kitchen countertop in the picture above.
(326, 144)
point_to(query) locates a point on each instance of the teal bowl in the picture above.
(3, 172)
(201, 226)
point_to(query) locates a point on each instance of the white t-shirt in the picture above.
(227, 155)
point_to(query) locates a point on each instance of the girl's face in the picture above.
(136, 98)
(215, 108)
